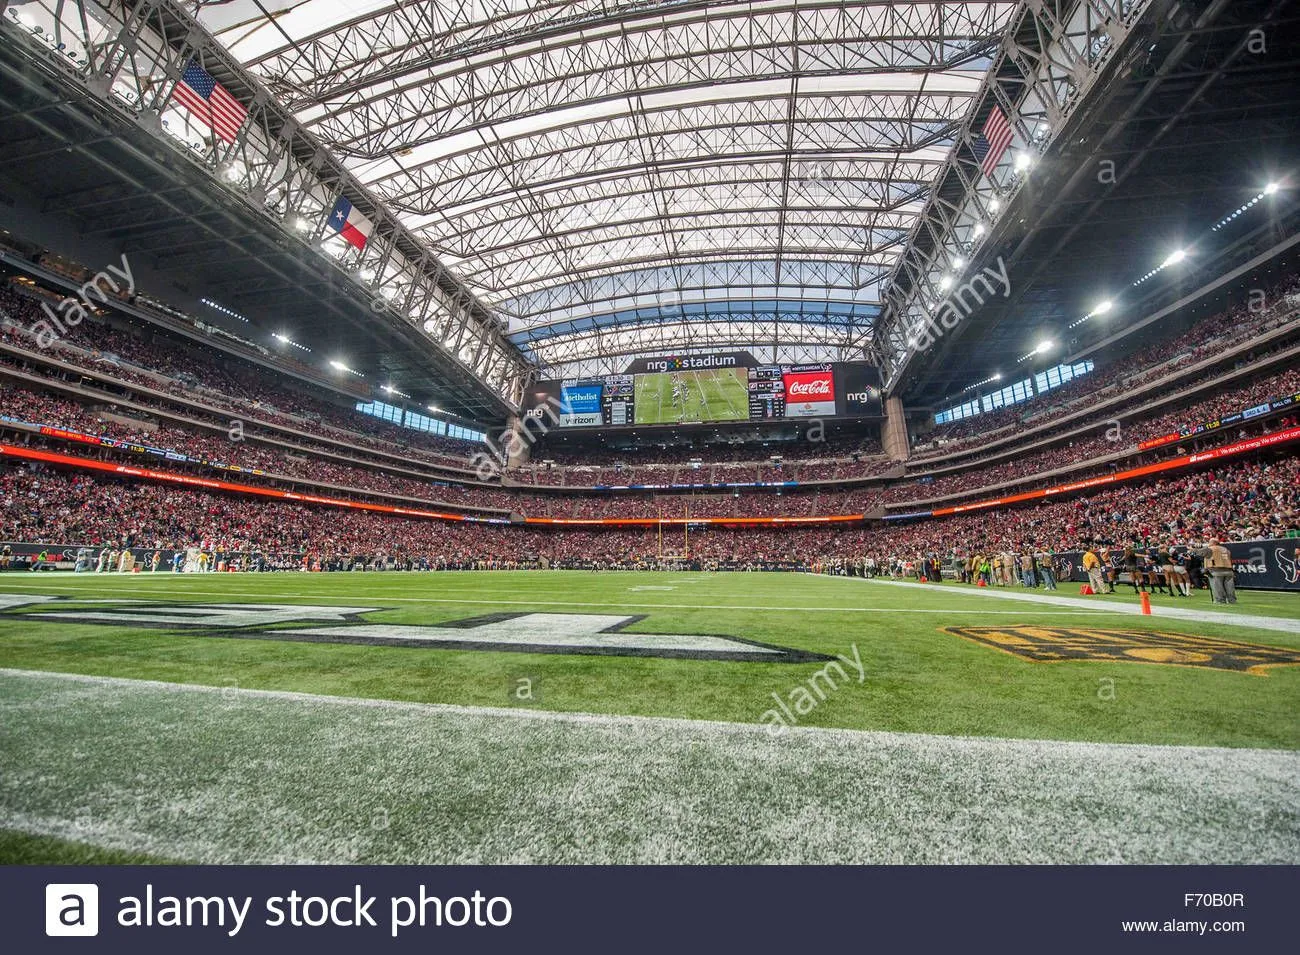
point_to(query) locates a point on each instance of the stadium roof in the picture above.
(624, 176)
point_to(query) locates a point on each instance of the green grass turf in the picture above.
(20, 848)
(711, 395)
(918, 679)
(220, 776)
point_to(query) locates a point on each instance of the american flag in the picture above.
(208, 100)
(992, 142)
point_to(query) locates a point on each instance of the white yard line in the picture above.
(267, 776)
(1280, 624)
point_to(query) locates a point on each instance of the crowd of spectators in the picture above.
(357, 481)
(799, 471)
(1248, 500)
(324, 475)
(1110, 438)
(186, 372)
(133, 356)
(219, 451)
(1208, 337)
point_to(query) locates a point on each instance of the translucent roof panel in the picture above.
(590, 158)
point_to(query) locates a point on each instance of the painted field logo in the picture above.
(1055, 644)
(523, 632)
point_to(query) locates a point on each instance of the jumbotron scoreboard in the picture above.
(707, 389)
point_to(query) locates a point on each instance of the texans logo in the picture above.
(1287, 566)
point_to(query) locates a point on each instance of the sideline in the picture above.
(1280, 624)
(274, 776)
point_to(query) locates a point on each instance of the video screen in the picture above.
(681, 397)
(670, 392)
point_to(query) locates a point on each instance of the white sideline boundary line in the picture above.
(522, 714)
(1280, 624)
(853, 796)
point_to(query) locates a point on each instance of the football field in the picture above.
(711, 395)
(638, 717)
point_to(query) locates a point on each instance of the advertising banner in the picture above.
(857, 389)
(809, 394)
(1259, 565)
(580, 404)
(698, 389)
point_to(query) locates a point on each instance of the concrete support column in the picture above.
(894, 433)
(520, 449)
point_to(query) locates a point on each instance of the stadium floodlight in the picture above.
(958, 262)
(997, 376)
(1022, 161)
(338, 365)
(979, 229)
(1271, 188)
(1103, 307)
(945, 282)
(1045, 346)
(434, 408)
(1174, 258)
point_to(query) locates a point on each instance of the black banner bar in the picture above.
(553, 909)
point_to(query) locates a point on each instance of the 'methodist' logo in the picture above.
(71, 909)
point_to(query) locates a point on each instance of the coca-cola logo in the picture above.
(809, 389)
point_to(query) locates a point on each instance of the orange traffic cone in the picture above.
(1146, 603)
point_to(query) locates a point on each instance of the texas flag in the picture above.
(349, 223)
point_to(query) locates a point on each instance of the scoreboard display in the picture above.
(708, 389)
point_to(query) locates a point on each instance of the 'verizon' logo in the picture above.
(1057, 644)
(580, 633)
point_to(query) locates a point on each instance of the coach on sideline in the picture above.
(1223, 582)
(1096, 576)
